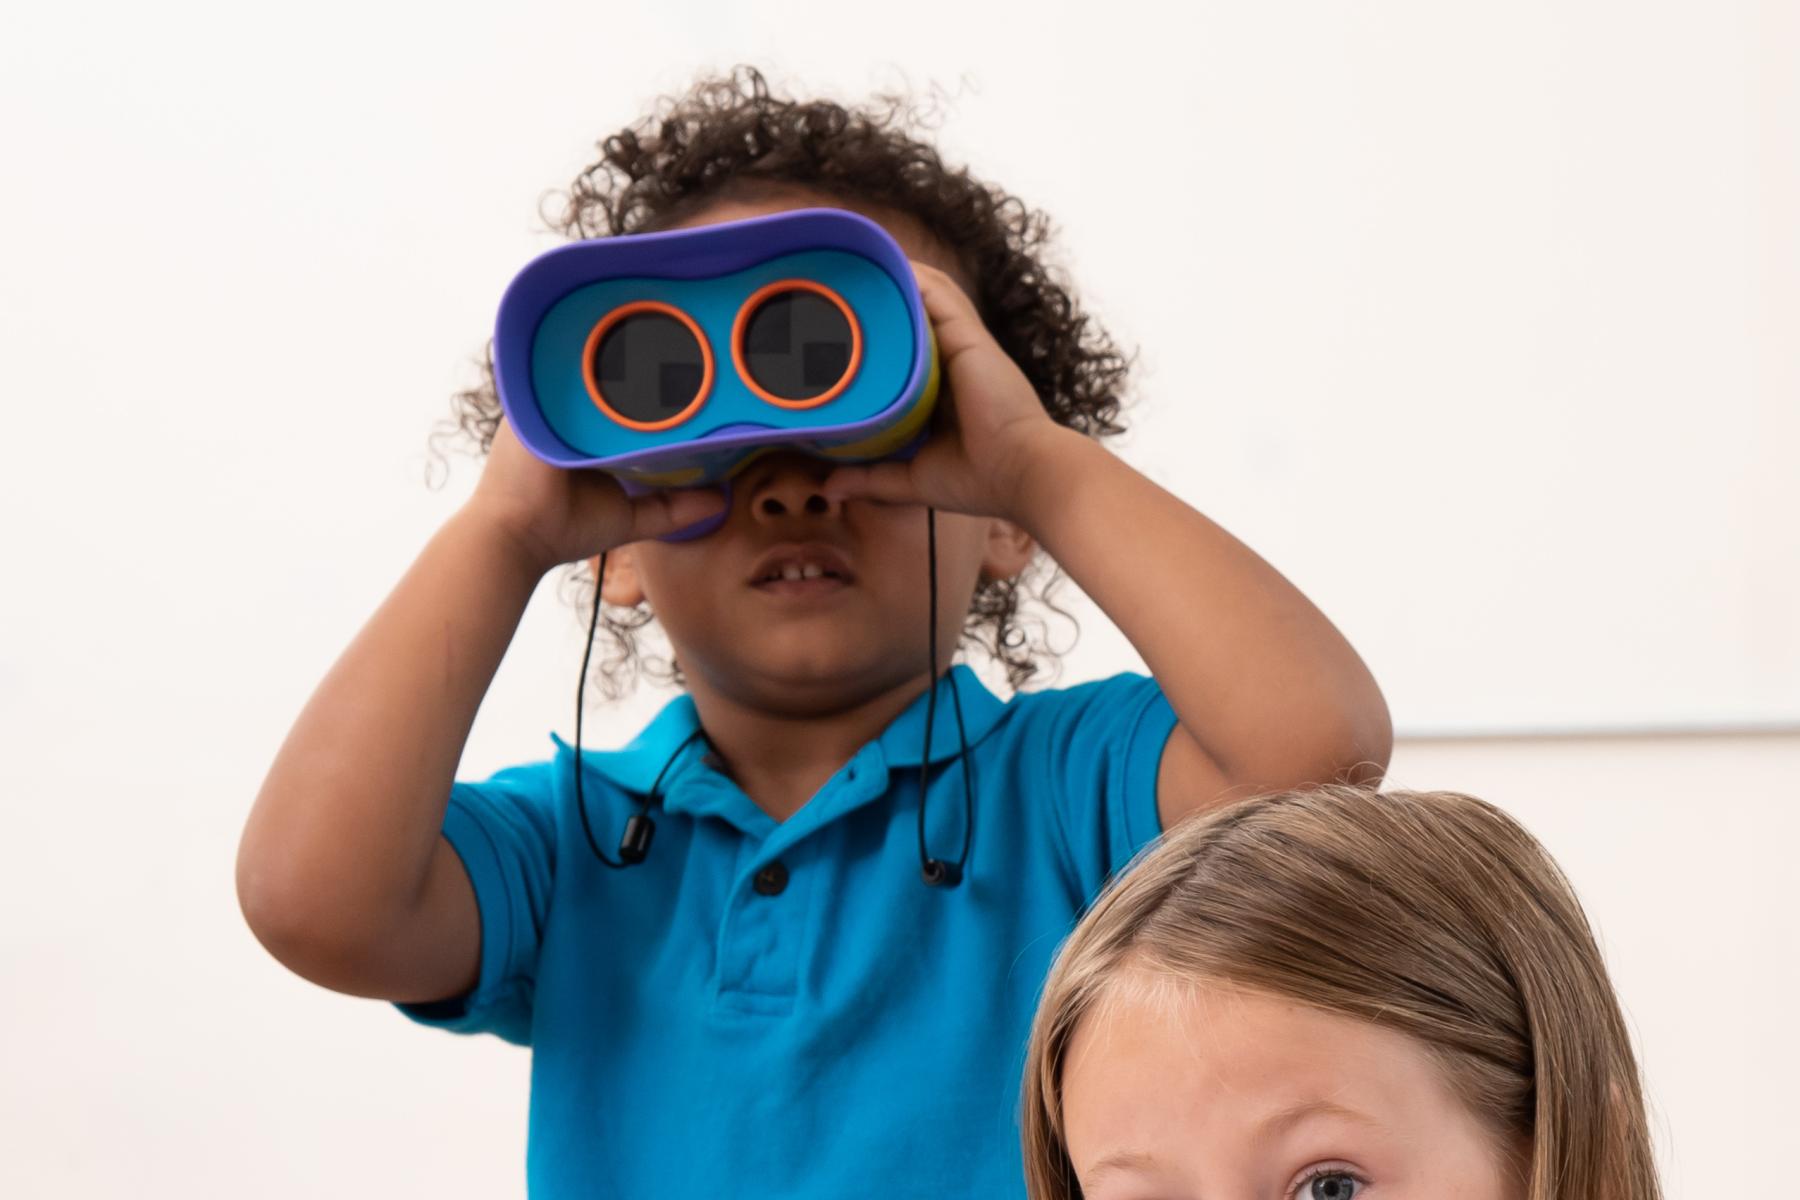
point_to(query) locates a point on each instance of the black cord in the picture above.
(634, 844)
(936, 871)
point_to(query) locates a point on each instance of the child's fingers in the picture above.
(952, 314)
(884, 483)
(665, 512)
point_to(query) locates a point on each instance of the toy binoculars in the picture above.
(673, 359)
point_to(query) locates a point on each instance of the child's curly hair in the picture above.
(729, 134)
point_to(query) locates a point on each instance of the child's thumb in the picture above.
(665, 512)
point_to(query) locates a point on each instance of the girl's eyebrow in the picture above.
(1282, 1120)
(1118, 1161)
(1271, 1126)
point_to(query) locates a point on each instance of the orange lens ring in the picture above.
(592, 347)
(739, 326)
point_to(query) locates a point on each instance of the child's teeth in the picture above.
(791, 571)
(811, 571)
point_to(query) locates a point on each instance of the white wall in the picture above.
(1477, 320)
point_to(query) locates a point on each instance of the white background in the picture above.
(1477, 320)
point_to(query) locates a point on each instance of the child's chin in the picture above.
(839, 666)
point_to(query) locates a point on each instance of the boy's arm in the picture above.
(342, 871)
(1268, 694)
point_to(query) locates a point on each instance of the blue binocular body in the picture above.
(673, 359)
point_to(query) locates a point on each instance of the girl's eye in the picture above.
(1333, 1185)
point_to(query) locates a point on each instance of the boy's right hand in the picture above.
(555, 516)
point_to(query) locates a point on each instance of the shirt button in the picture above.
(771, 880)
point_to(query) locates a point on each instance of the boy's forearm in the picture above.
(344, 829)
(1257, 675)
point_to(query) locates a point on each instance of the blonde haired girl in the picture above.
(1336, 994)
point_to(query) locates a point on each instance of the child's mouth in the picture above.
(818, 585)
(801, 571)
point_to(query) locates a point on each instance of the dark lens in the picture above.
(649, 367)
(797, 345)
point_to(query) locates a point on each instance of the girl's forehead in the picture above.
(1231, 1058)
(769, 198)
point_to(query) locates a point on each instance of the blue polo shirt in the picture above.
(785, 1009)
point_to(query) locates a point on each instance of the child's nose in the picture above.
(793, 489)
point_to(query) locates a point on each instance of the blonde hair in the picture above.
(1430, 913)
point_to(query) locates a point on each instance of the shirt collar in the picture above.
(904, 738)
(635, 766)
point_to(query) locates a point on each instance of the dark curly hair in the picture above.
(729, 136)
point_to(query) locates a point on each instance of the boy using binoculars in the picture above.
(777, 1000)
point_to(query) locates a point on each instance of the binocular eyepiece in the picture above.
(795, 344)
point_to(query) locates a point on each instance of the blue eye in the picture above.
(1334, 1185)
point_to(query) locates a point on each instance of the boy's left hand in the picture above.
(989, 430)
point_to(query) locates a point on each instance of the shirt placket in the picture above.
(766, 918)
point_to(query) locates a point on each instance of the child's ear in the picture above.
(1009, 549)
(621, 587)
